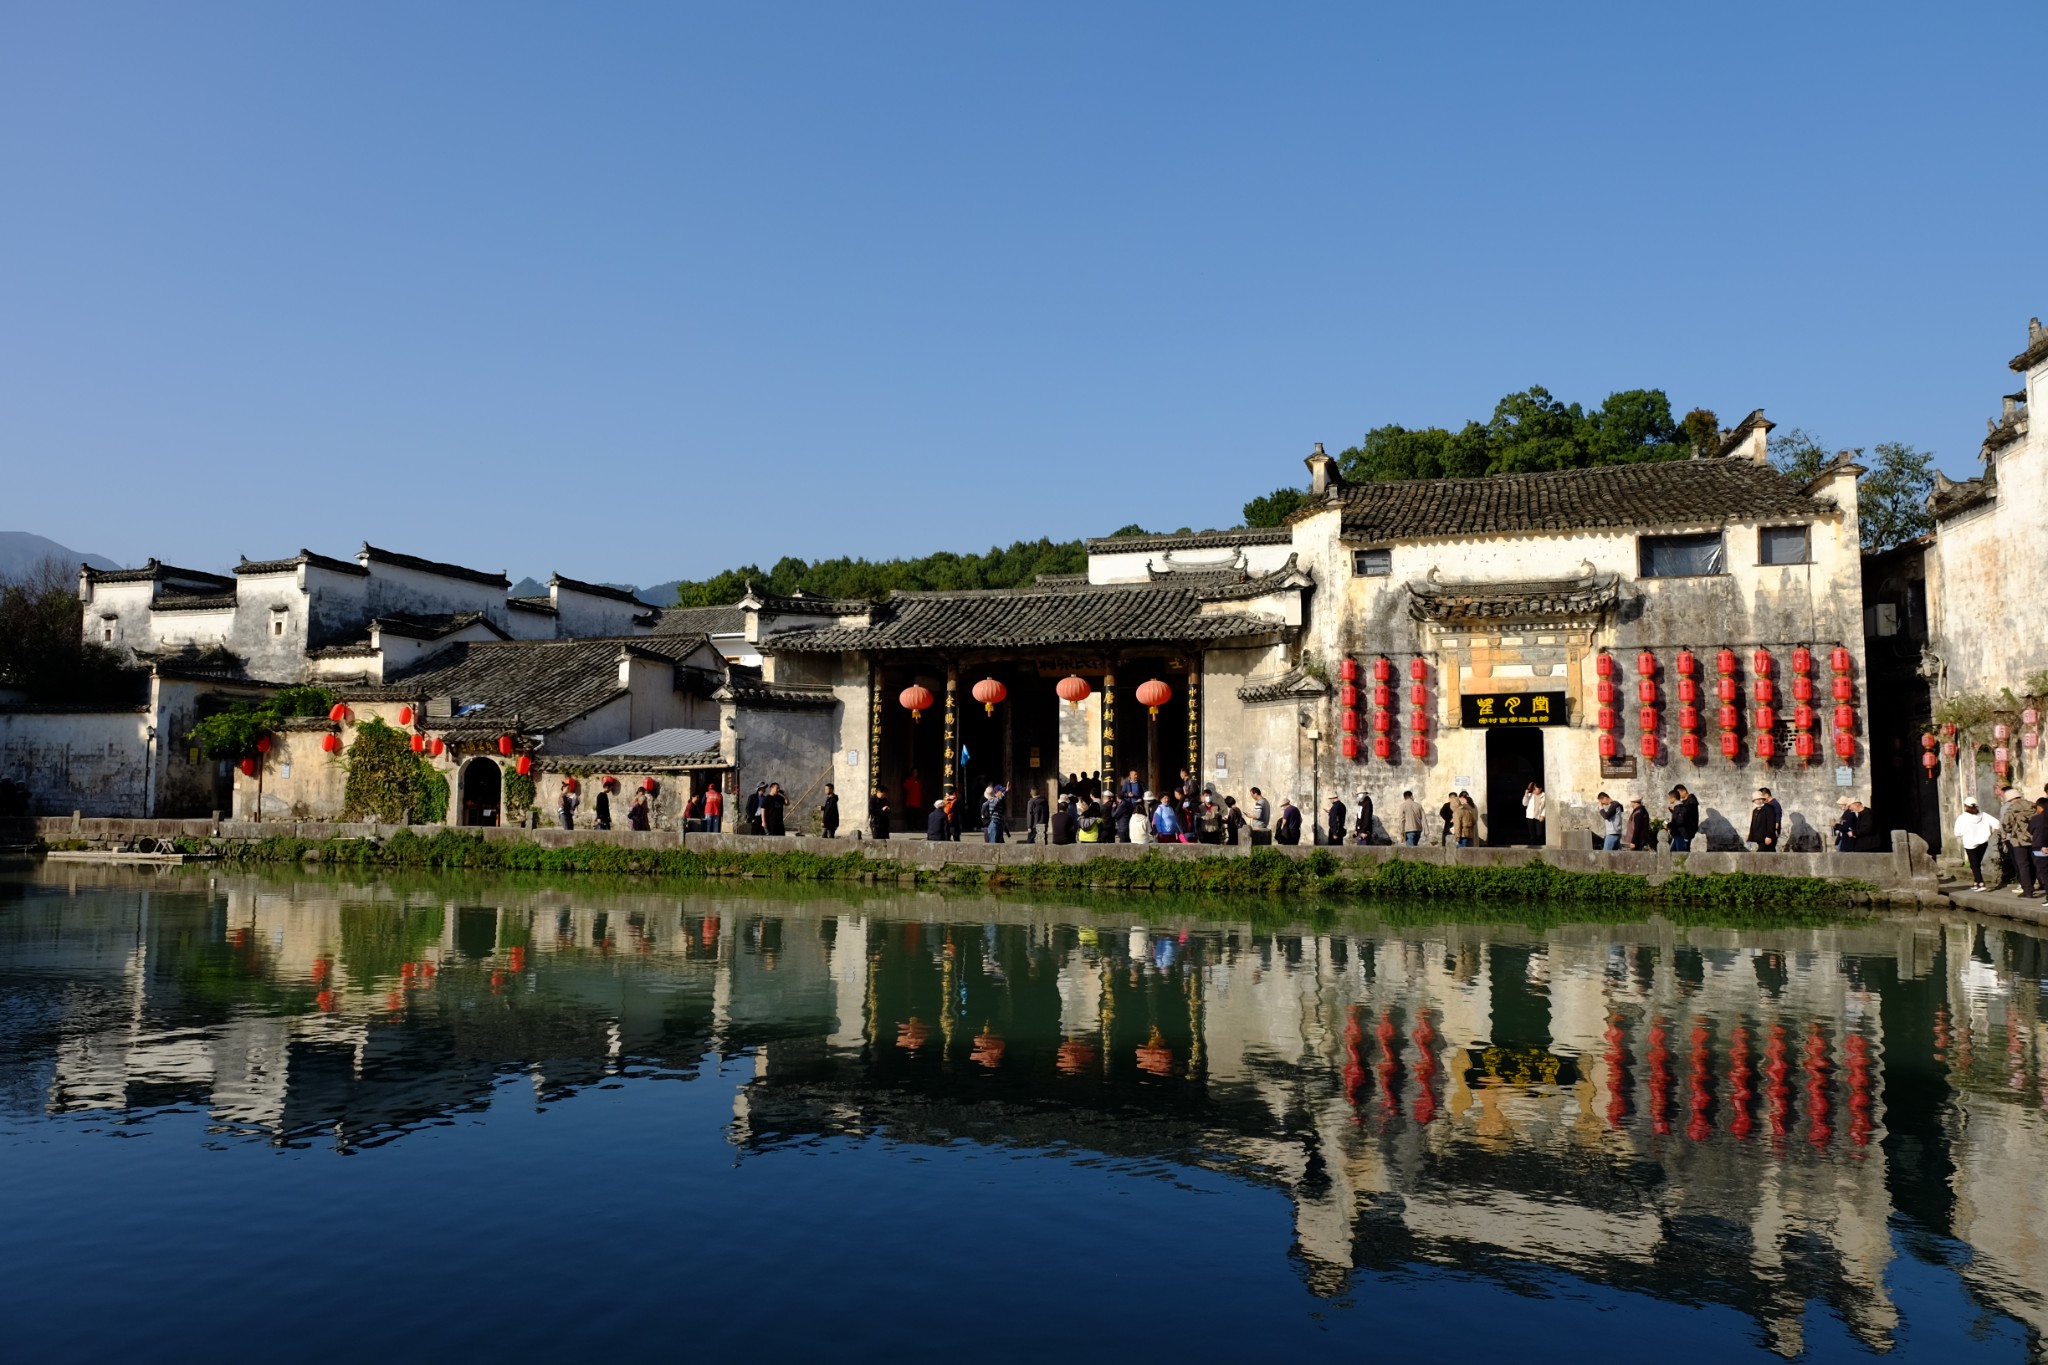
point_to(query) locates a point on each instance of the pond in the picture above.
(430, 1117)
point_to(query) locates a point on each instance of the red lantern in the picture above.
(1725, 689)
(1383, 696)
(1419, 722)
(989, 692)
(1689, 745)
(1688, 690)
(1347, 670)
(1646, 692)
(1760, 663)
(1647, 719)
(1802, 660)
(1382, 721)
(1603, 665)
(1646, 664)
(1687, 664)
(1929, 761)
(916, 699)
(1347, 721)
(1604, 692)
(1350, 746)
(440, 747)
(1688, 718)
(1382, 669)
(1802, 689)
(1843, 689)
(1845, 717)
(1606, 719)
(331, 742)
(1767, 745)
(248, 767)
(1730, 744)
(1609, 746)
(1802, 716)
(1418, 671)
(1418, 696)
(337, 713)
(1419, 747)
(1382, 746)
(1074, 689)
(1838, 659)
(1763, 689)
(1766, 718)
(1802, 744)
(1154, 694)
(1724, 661)
(524, 765)
(1648, 744)
(419, 743)
(405, 715)
(505, 745)
(1347, 695)
(649, 785)
(1927, 742)
(1845, 746)
(263, 744)
(1726, 717)
(1949, 749)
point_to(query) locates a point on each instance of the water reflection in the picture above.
(1765, 1120)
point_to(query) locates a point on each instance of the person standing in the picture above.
(1034, 815)
(913, 798)
(828, 812)
(1262, 814)
(1209, 819)
(754, 799)
(637, 817)
(1166, 825)
(1869, 839)
(1610, 822)
(1132, 789)
(565, 807)
(1060, 828)
(602, 807)
(1844, 828)
(1973, 831)
(992, 823)
(1233, 822)
(2037, 843)
(1448, 813)
(1766, 819)
(1138, 822)
(1684, 822)
(714, 809)
(1641, 837)
(772, 802)
(1411, 820)
(1335, 817)
(2013, 817)
(1362, 809)
(878, 814)
(1287, 829)
(1537, 806)
(1464, 820)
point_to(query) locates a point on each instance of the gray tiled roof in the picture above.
(1191, 540)
(701, 621)
(2037, 347)
(596, 589)
(1670, 493)
(1586, 596)
(433, 566)
(1022, 618)
(194, 601)
(155, 570)
(432, 625)
(675, 743)
(328, 562)
(540, 604)
(525, 685)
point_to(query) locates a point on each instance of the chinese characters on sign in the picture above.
(1512, 708)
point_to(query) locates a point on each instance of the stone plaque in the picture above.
(1511, 708)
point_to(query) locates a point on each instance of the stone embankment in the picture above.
(1905, 875)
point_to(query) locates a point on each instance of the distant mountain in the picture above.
(660, 595)
(529, 587)
(21, 551)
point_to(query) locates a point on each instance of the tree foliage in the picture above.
(1798, 454)
(1274, 508)
(1891, 499)
(1000, 567)
(43, 649)
(232, 732)
(387, 781)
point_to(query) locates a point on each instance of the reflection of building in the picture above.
(1705, 1116)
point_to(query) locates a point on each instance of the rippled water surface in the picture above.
(248, 1116)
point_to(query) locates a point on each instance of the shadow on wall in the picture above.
(1716, 831)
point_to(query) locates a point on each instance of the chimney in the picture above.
(1322, 472)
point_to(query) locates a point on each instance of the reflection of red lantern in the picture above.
(263, 744)
(916, 699)
(440, 746)
(524, 765)
(505, 745)
(1351, 743)
(572, 784)
(1929, 761)
(1153, 694)
(1927, 742)
(405, 715)
(419, 743)
(1347, 670)
(989, 692)
(1949, 749)
(1074, 689)
(248, 767)
(648, 785)
(331, 742)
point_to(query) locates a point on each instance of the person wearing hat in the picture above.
(1974, 830)
(1844, 828)
(2013, 817)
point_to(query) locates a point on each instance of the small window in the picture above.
(107, 634)
(1372, 563)
(1783, 545)
(277, 626)
(1682, 556)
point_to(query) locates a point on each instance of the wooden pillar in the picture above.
(1109, 726)
(874, 734)
(1009, 768)
(1195, 726)
(951, 779)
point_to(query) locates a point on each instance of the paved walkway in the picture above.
(2001, 902)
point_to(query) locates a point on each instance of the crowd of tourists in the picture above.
(2020, 834)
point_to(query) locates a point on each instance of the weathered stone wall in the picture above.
(797, 749)
(97, 762)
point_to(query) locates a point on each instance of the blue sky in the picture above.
(641, 291)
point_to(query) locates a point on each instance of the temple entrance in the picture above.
(1514, 759)
(483, 791)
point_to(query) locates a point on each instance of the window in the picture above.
(1783, 545)
(1682, 556)
(107, 634)
(277, 625)
(1372, 563)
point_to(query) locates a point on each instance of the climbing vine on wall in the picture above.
(233, 732)
(387, 781)
(518, 792)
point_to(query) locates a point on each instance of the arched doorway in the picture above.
(483, 791)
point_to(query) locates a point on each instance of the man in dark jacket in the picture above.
(1364, 814)
(1869, 838)
(2037, 845)
(1034, 815)
(1061, 828)
(772, 804)
(828, 811)
(1287, 829)
(1685, 819)
(1766, 820)
(1640, 836)
(937, 830)
(1336, 816)
(878, 815)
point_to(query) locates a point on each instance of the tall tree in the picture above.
(1798, 453)
(1274, 508)
(1891, 499)
(43, 650)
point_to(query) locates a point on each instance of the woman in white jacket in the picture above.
(1973, 831)
(1141, 821)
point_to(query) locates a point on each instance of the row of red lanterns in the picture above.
(1348, 697)
(991, 693)
(1764, 692)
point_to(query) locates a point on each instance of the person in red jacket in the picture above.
(714, 809)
